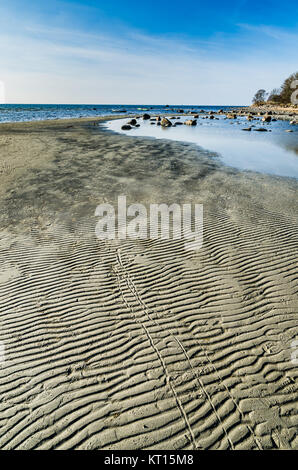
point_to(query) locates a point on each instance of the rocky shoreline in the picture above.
(252, 113)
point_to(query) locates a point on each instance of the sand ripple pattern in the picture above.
(142, 345)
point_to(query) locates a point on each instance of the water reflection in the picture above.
(274, 152)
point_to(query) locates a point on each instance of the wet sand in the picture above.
(139, 344)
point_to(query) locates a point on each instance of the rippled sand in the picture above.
(139, 344)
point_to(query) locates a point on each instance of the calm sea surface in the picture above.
(36, 112)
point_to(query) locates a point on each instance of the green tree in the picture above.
(286, 90)
(274, 95)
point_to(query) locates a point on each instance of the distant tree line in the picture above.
(280, 95)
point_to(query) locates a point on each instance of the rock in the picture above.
(288, 130)
(126, 127)
(132, 122)
(191, 122)
(247, 129)
(266, 119)
(165, 122)
(293, 122)
(179, 124)
(211, 116)
(231, 116)
(146, 116)
(137, 125)
(158, 123)
(261, 129)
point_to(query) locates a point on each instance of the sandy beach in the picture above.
(139, 344)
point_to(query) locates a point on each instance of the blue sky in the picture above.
(154, 52)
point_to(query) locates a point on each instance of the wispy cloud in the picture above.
(41, 63)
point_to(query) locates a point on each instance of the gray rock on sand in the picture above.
(165, 122)
(191, 122)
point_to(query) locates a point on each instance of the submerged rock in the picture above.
(191, 122)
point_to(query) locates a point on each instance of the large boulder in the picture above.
(165, 122)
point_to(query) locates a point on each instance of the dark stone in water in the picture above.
(126, 127)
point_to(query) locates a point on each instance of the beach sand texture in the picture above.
(139, 344)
